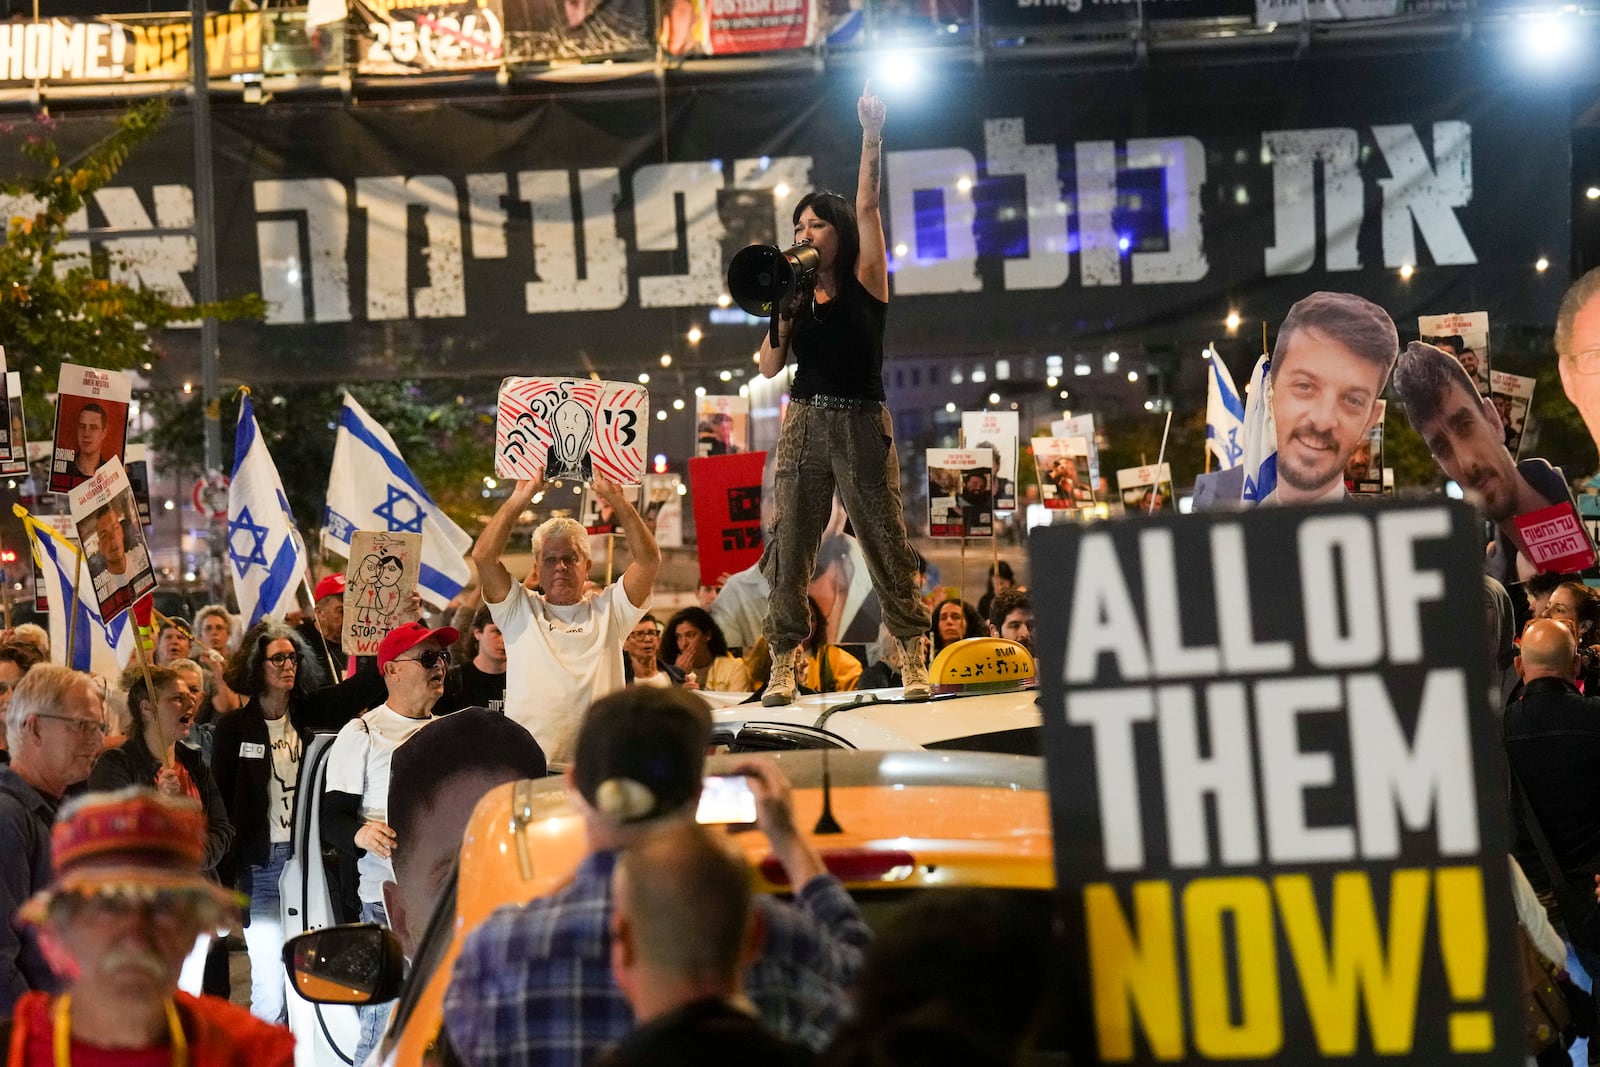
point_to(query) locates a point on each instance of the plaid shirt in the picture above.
(533, 984)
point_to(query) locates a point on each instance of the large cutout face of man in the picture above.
(1328, 372)
(1578, 342)
(1462, 430)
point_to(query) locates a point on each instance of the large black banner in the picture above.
(1280, 830)
(1027, 213)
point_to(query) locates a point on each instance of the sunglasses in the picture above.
(430, 659)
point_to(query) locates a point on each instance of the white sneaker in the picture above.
(781, 681)
(914, 669)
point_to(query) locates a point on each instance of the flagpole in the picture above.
(1161, 457)
(5, 590)
(72, 624)
(961, 573)
(149, 688)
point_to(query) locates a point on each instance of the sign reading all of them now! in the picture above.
(1279, 836)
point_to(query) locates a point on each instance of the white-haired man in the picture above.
(563, 649)
(56, 727)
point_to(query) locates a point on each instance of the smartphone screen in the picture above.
(726, 799)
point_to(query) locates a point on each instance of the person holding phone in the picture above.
(534, 983)
(837, 435)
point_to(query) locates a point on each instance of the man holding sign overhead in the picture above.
(563, 650)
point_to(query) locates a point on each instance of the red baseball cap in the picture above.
(332, 585)
(409, 636)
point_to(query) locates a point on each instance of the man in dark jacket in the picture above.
(1552, 739)
(55, 727)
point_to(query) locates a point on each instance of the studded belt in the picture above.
(837, 403)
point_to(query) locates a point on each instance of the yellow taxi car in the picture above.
(888, 824)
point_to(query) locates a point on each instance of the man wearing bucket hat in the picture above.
(124, 910)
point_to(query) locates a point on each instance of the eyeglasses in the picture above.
(428, 660)
(284, 659)
(83, 726)
(1586, 362)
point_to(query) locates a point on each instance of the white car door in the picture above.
(325, 1034)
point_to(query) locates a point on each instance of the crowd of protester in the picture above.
(190, 767)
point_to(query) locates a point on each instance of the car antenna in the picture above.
(826, 823)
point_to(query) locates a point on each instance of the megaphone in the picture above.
(761, 277)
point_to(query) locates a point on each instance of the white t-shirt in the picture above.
(359, 764)
(561, 658)
(283, 744)
(660, 680)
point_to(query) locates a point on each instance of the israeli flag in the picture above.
(87, 644)
(371, 488)
(1260, 435)
(1224, 415)
(265, 551)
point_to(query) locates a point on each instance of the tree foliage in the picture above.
(59, 304)
(448, 442)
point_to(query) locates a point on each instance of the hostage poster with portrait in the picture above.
(91, 423)
(722, 425)
(14, 458)
(663, 508)
(996, 431)
(1062, 466)
(571, 429)
(379, 580)
(1465, 337)
(1512, 397)
(107, 519)
(1145, 490)
(960, 492)
(1363, 473)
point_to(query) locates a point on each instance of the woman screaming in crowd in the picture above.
(836, 434)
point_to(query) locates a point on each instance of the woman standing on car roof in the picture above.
(837, 435)
(257, 768)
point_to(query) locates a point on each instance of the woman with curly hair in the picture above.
(694, 644)
(257, 768)
(955, 620)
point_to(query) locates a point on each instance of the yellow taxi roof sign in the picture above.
(982, 665)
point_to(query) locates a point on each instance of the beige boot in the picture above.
(781, 682)
(914, 669)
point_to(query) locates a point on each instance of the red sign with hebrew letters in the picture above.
(727, 512)
(1556, 539)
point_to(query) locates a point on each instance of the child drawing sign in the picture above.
(571, 428)
(378, 586)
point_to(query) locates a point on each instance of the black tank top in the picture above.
(838, 346)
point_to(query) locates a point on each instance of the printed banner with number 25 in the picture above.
(571, 428)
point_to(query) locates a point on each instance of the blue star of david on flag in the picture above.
(391, 510)
(256, 552)
(261, 538)
(371, 487)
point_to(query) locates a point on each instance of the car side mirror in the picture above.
(360, 963)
